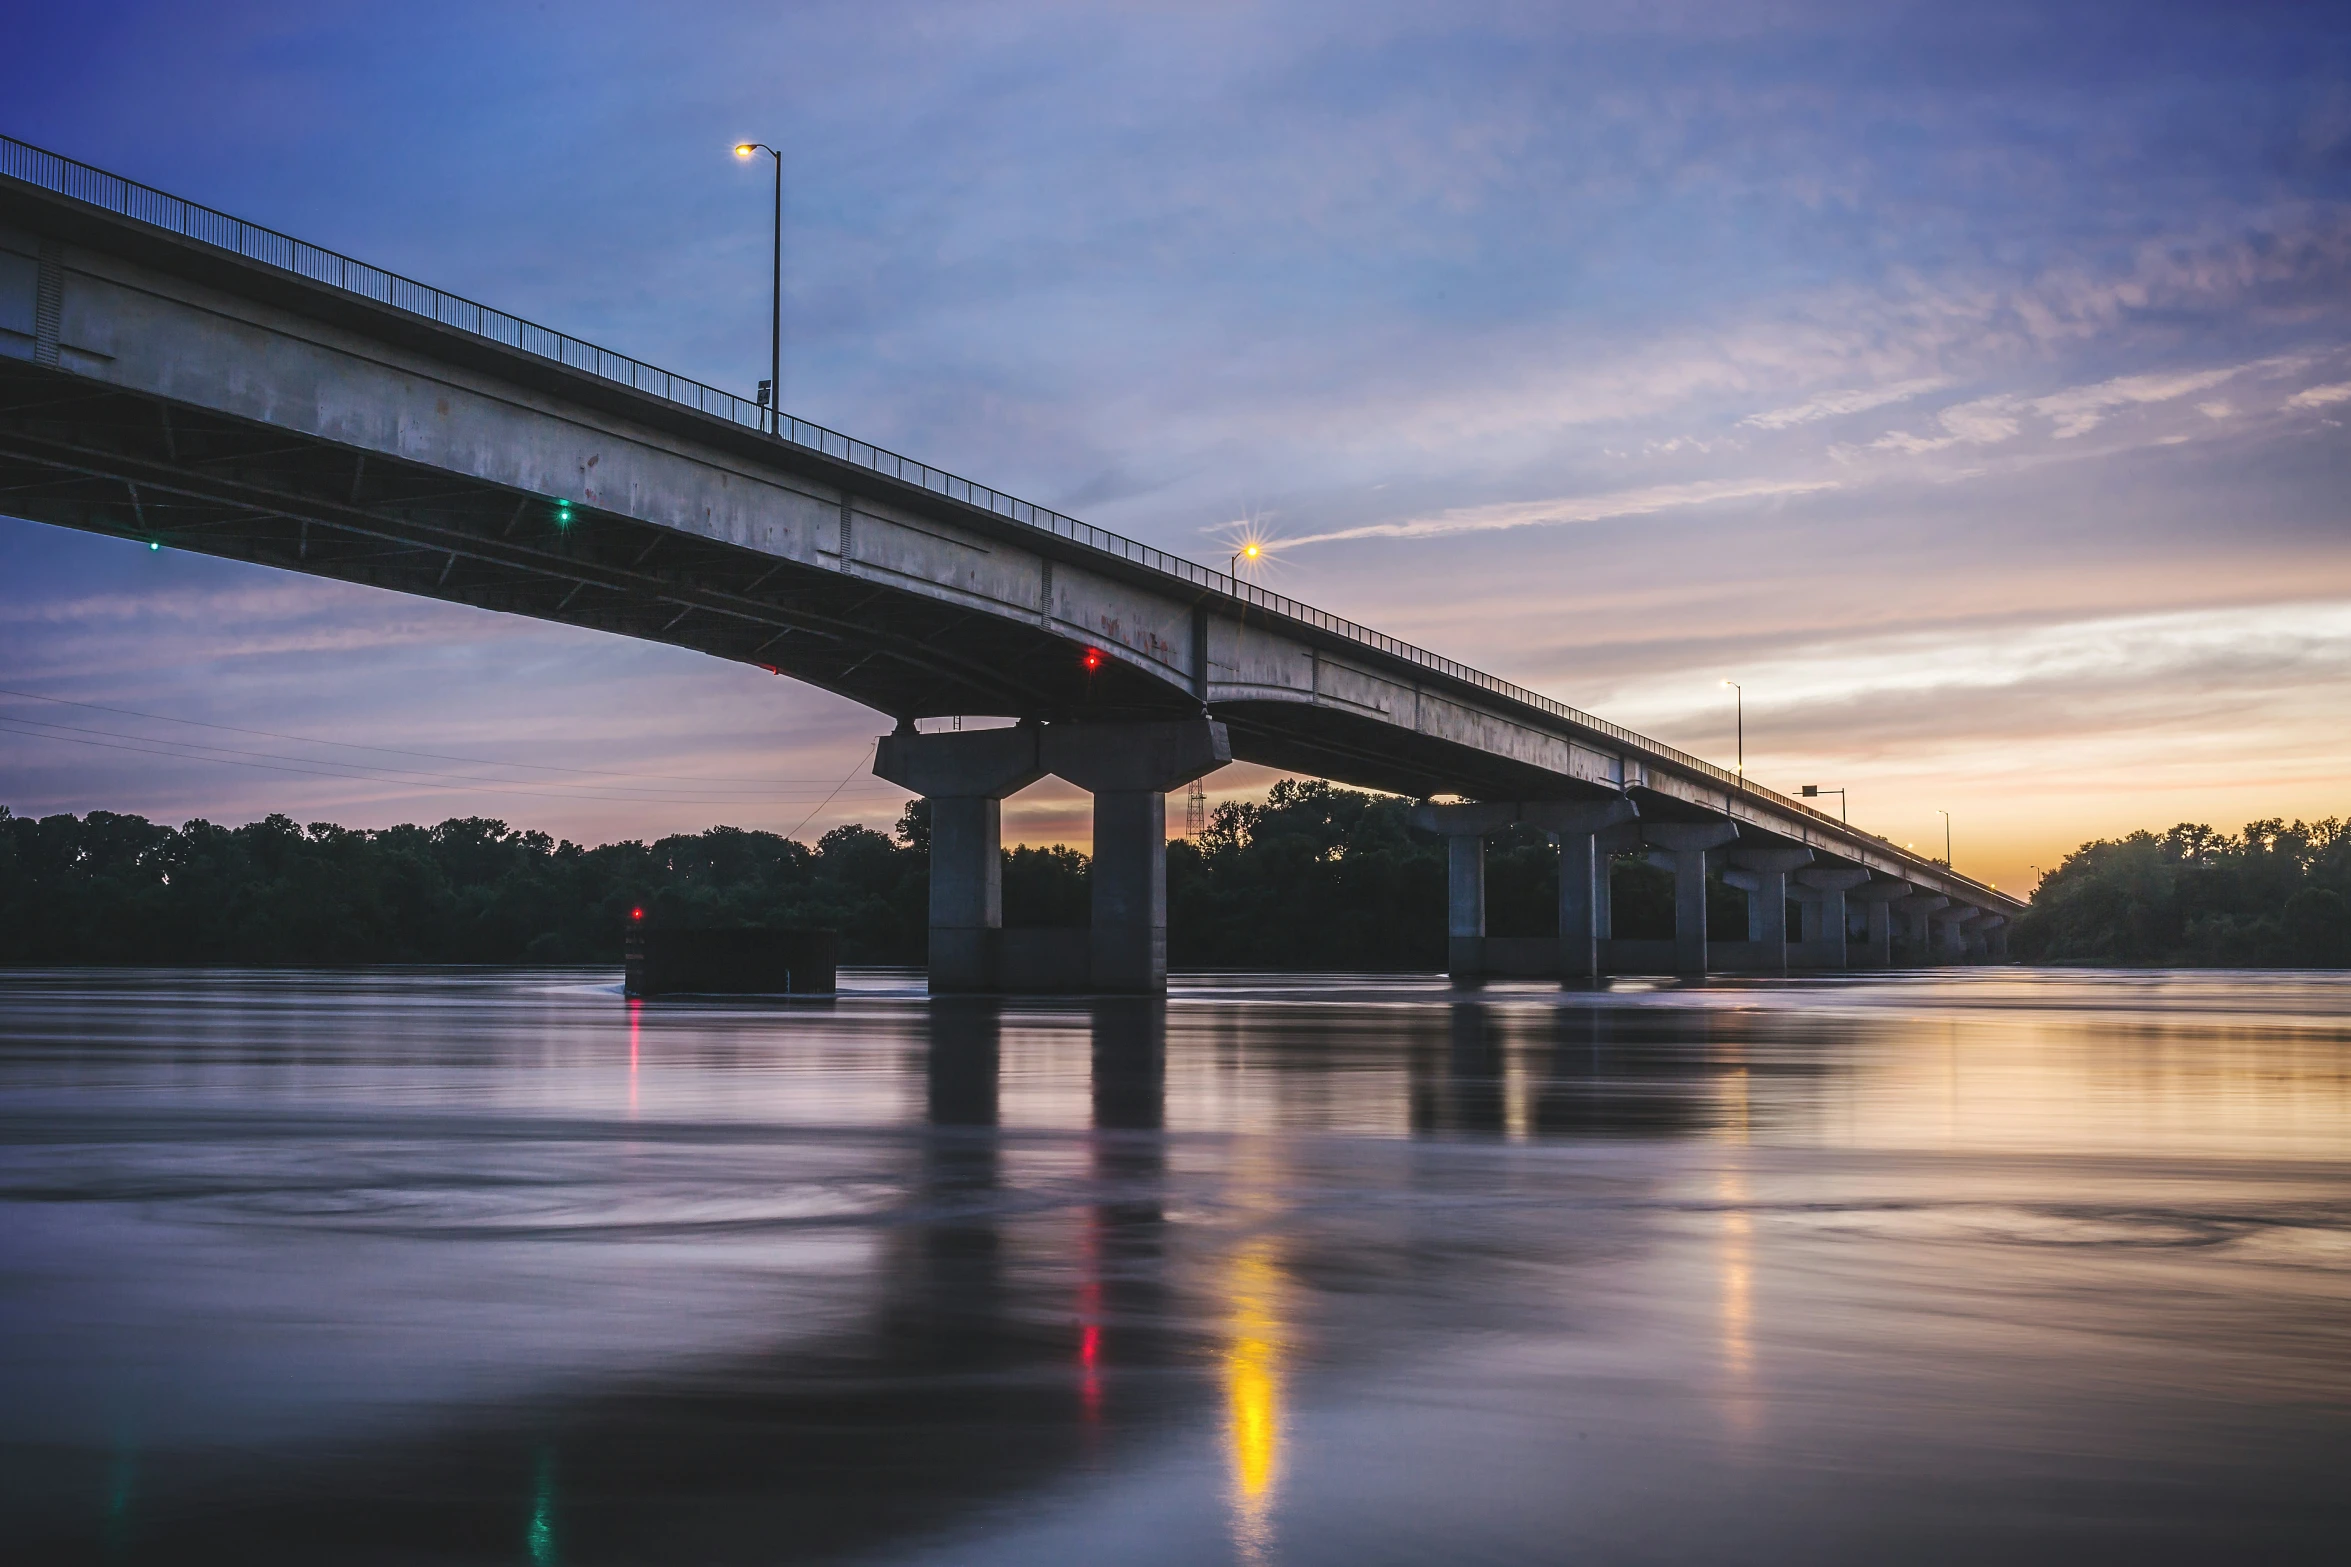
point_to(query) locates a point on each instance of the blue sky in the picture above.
(1968, 382)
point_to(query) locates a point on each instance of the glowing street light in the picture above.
(771, 391)
(1249, 552)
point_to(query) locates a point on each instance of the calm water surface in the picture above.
(499, 1267)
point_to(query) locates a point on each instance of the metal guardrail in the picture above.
(144, 204)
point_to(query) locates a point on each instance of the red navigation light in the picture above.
(1092, 660)
(636, 914)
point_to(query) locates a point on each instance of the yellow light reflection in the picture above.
(1253, 1395)
(1742, 1405)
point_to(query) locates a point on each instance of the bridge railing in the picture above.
(143, 203)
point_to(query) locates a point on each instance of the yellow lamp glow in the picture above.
(745, 149)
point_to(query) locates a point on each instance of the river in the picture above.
(497, 1266)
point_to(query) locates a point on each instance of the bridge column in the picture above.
(1465, 905)
(1824, 888)
(1129, 768)
(1581, 828)
(1770, 869)
(1877, 899)
(1688, 842)
(1954, 923)
(1995, 929)
(1917, 910)
(1464, 828)
(965, 777)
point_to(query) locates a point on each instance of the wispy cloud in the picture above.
(2321, 396)
(1567, 510)
(2078, 410)
(1836, 405)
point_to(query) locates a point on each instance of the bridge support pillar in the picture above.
(1464, 828)
(1918, 912)
(1129, 768)
(1995, 936)
(1877, 899)
(1688, 842)
(1586, 832)
(965, 777)
(1767, 904)
(1465, 905)
(1823, 889)
(1954, 922)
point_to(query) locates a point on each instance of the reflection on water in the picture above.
(498, 1267)
(1253, 1390)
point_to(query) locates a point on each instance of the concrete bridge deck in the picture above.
(171, 374)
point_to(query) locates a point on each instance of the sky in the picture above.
(1968, 383)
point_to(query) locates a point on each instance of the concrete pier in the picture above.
(1767, 903)
(1588, 832)
(1129, 768)
(1878, 898)
(1582, 830)
(965, 776)
(1822, 889)
(1995, 929)
(1953, 923)
(1918, 911)
(1688, 843)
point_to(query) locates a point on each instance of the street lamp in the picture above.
(1815, 791)
(1741, 699)
(772, 391)
(1946, 815)
(1245, 552)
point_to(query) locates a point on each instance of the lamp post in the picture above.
(775, 304)
(1245, 552)
(1815, 791)
(1741, 699)
(1946, 815)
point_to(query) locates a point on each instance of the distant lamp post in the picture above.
(1815, 791)
(1248, 552)
(1740, 710)
(771, 391)
(1946, 815)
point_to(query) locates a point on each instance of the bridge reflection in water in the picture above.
(1304, 1277)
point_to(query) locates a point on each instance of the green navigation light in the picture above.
(151, 544)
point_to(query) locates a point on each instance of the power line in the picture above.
(837, 788)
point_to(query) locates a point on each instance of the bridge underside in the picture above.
(82, 455)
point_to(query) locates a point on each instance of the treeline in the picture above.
(2274, 895)
(1312, 877)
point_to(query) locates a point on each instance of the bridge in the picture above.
(172, 374)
